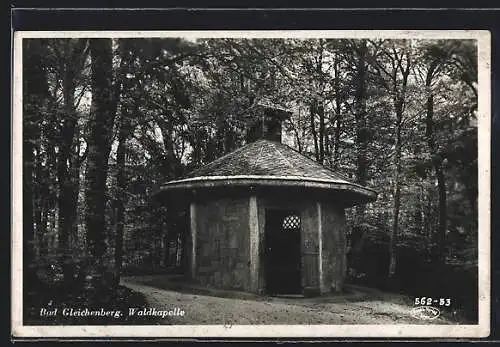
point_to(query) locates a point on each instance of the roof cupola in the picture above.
(267, 122)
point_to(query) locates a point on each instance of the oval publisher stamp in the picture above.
(425, 312)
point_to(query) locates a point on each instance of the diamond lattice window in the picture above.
(291, 222)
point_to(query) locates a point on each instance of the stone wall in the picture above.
(222, 246)
(333, 246)
(223, 243)
(310, 249)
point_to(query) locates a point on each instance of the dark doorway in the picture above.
(282, 252)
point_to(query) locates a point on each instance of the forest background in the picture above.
(106, 121)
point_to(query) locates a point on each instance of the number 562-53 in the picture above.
(429, 301)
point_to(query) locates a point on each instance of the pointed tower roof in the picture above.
(270, 163)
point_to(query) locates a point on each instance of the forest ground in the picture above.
(227, 307)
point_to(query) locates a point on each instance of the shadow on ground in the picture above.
(205, 305)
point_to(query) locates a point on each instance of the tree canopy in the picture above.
(108, 120)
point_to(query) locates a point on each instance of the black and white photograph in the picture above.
(259, 183)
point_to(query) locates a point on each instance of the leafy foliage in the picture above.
(397, 115)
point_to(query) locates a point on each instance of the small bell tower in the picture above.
(267, 123)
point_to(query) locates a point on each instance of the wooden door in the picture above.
(283, 252)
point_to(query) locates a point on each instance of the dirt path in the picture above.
(203, 309)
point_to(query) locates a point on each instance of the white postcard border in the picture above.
(482, 329)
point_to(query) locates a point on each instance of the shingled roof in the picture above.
(268, 163)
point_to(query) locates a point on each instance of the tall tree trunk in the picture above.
(124, 133)
(338, 118)
(296, 133)
(399, 106)
(35, 94)
(99, 145)
(421, 212)
(28, 230)
(71, 64)
(67, 216)
(298, 141)
(472, 198)
(312, 116)
(52, 205)
(397, 190)
(441, 239)
(41, 195)
(120, 201)
(44, 245)
(53, 230)
(361, 128)
(428, 219)
(336, 141)
(220, 136)
(37, 202)
(319, 104)
(321, 135)
(172, 163)
(437, 164)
